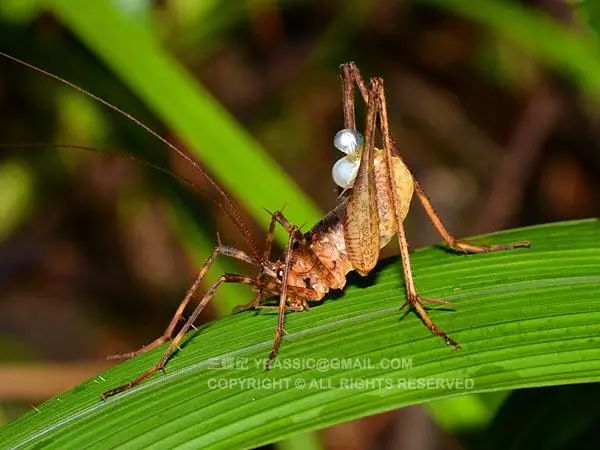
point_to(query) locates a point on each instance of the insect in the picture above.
(377, 191)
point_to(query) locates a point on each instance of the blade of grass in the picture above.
(525, 318)
(223, 146)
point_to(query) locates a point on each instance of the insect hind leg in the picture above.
(414, 300)
(261, 294)
(351, 76)
(457, 244)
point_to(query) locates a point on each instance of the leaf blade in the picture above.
(526, 318)
(239, 163)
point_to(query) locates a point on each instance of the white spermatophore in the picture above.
(345, 169)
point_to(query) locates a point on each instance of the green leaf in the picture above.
(467, 412)
(577, 55)
(524, 318)
(231, 155)
(238, 162)
(15, 196)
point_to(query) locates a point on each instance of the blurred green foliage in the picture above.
(518, 45)
(568, 51)
(15, 196)
(219, 141)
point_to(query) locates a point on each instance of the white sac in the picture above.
(348, 141)
(344, 171)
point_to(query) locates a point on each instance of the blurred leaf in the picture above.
(589, 12)
(302, 441)
(508, 65)
(237, 161)
(18, 10)
(564, 50)
(80, 119)
(12, 349)
(15, 196)
(201, 27)
(338, 39)
(525, 318)
(466, 413)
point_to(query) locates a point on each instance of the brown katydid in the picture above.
(369, 213)
(378, 188)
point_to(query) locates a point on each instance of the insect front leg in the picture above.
(168, 333)
(220, 249)
(174, 345)
(300, 295)
(458, 244)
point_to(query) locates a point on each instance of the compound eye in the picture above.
(280, 274)
(348, 141)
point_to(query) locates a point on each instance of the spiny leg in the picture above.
(305, 247)
(168, 333)
(361, 221)
(457, 244)
(282, 300)
(413, 298)
(350, 76)
(225, 278)
(260, 295)
(361, 227)
(178, 314)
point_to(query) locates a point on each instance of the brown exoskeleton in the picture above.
(378, 188)
(370, 212)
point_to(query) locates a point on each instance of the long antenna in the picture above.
(227, 204)
(119, 154)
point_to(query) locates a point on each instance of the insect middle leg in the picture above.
(261, 294)
(300, 294)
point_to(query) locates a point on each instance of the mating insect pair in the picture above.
(377, 190)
